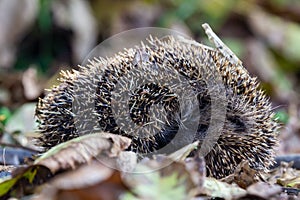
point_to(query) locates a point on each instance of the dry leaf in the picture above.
(160, 181)
(126, 161)
(81, 150)
(263, 190)
(197, 169)
(286, 176)
(65, 156)
(216, 188)
(244, 176)
(88, 182)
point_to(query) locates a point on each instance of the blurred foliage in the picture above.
(265, 35)
(196, 12)
(44, 43)
(44, 16)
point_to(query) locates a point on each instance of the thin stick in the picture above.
(225, 51)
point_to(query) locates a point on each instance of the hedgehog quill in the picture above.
(167, 92)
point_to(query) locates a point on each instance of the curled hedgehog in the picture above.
(163, 95)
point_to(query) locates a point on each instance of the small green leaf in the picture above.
(23, 178)
(282, 116)
(30, 174)
(6, 185)
(5, 114)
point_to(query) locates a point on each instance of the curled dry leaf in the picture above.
(81, 150)
(243, 176)
(65, 156)
(94, 181)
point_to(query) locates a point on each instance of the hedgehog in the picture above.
(164, 94)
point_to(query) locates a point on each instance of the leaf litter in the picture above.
(75, 169)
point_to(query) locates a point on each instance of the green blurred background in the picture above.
(40, 37)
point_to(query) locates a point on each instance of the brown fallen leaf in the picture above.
(263, 190)
(243, 176)
(88, 182)
(81, 150)
(71, 154)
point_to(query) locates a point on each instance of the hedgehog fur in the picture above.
(82, 103)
